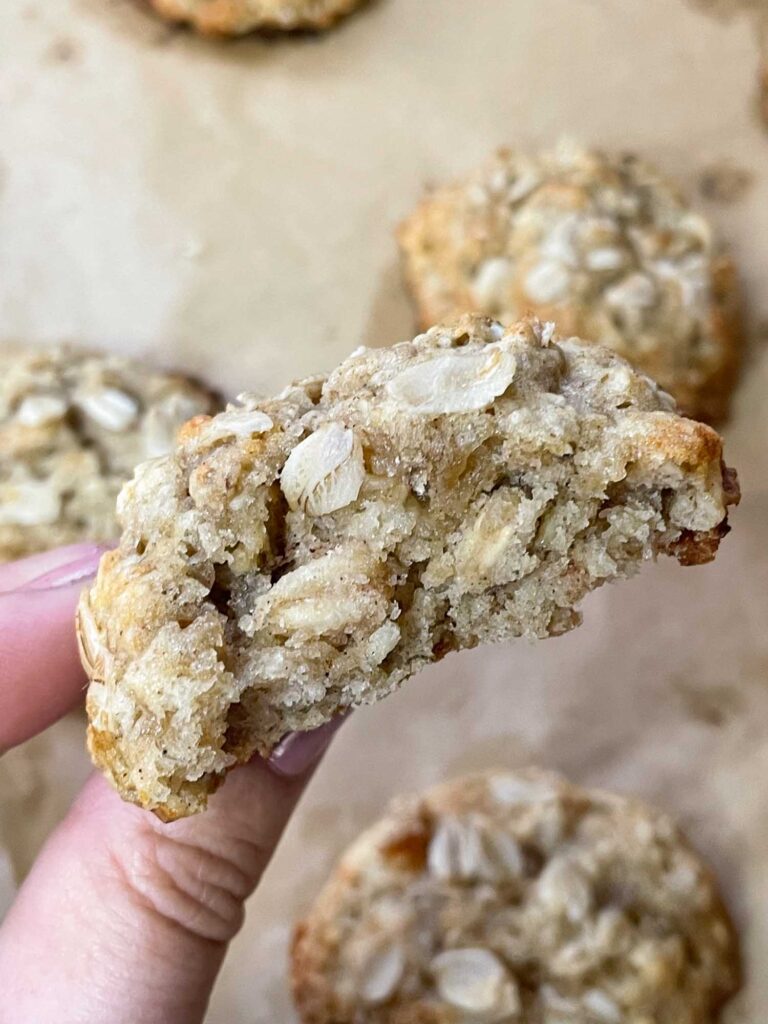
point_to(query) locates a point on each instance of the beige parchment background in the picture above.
(228, 208)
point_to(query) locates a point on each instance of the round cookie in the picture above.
(602, 244)
(236, 17)
(73, 425)
(516, 898)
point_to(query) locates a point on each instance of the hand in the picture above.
(122, 919)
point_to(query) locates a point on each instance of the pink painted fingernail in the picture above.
(298, 751)
(79, 570)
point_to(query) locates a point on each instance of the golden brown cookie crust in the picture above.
(299, 556)
(73, 425)
(516, 897)
(603, 245)
(237, 17)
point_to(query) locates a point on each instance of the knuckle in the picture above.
(187, 885)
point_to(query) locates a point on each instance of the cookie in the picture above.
(236, 17)
(516, 898)
(603, 245)
(73, 425)
(298, 556)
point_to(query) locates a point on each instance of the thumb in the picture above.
(126, 919)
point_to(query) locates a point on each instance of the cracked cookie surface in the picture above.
(73, 426)
(603, 245)
(237, 17)
(516, 898)
(298, 556)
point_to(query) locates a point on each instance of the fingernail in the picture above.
(77, 571)
(298, 751)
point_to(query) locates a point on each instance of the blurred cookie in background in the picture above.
(516, 897)
(601, 243)
(236, 17)
(73, 425)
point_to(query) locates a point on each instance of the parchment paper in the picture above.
(229, 209)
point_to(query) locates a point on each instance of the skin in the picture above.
(130, 917)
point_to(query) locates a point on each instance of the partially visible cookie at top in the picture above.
(73, 426)
(237, 17)
(517, 898)
(602, 244)
(297, 556)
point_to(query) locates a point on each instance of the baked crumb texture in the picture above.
(516, 898)
(236, 17)
(73, 426)
(295, 557)
(603, 245)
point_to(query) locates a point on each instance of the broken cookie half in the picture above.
(298, 556)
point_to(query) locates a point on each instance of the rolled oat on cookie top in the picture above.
(604, 245)
(298, 556)
(516, 898)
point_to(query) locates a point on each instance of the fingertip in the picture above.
(297, 752)
(80, 566)
(18, 573)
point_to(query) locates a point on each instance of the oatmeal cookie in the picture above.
(236, 17)
(604, 246)
(297, 556)
(73, 426)
(516, 898)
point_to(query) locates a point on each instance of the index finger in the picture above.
(40, 673)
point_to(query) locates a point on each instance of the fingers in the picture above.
(131, 917)
(40, 673)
